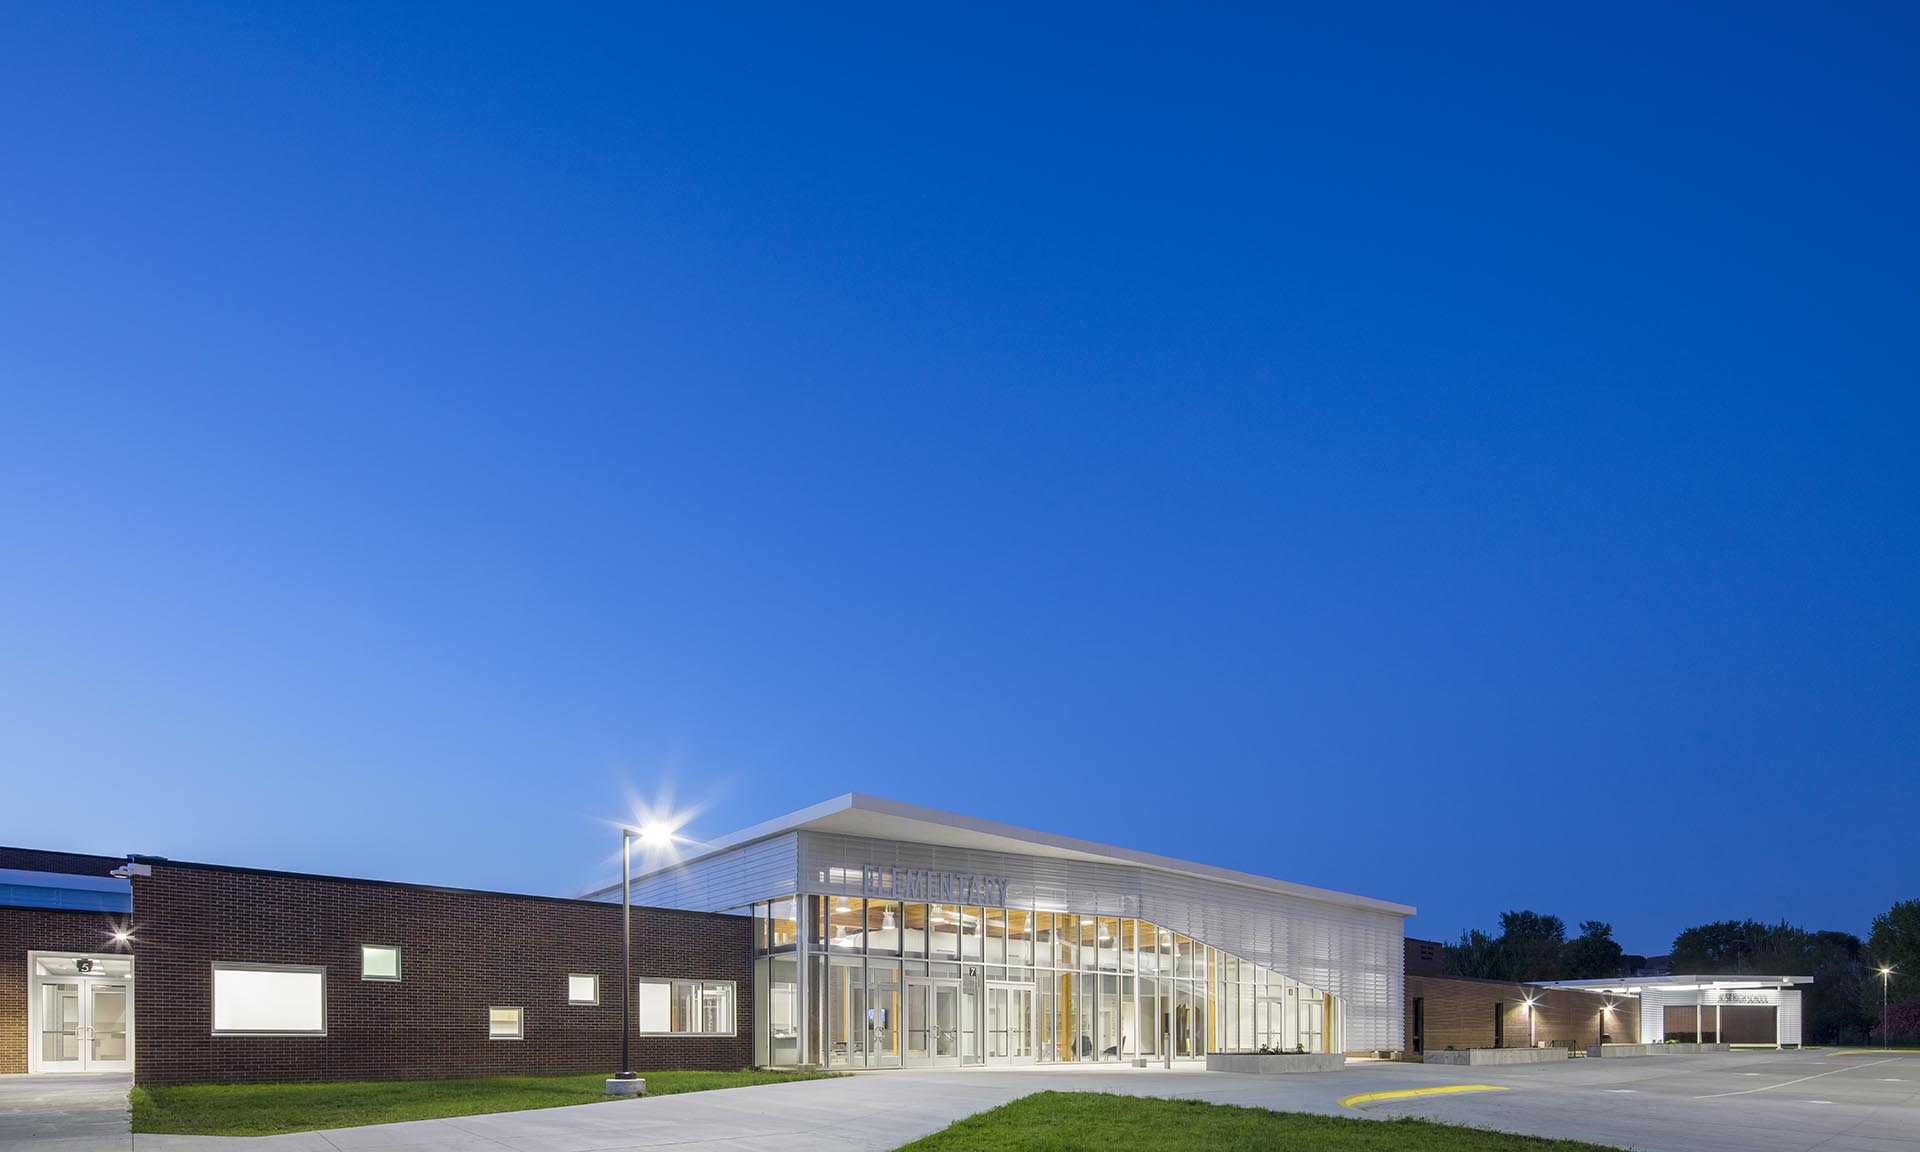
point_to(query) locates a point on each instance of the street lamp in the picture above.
(1886, 977)
(655, 837)
(1531, 1043)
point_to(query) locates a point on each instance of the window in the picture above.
(380, 962)
(583, 988)
(269, 1000)
(506, 1023)
(686, 1007)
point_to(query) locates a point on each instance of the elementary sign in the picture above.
(935, 887)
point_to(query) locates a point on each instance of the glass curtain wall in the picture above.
(1103, 988)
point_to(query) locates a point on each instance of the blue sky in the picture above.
(1412, 451)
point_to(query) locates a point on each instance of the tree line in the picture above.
(1841, 1006)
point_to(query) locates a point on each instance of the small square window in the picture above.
(380, 962)
(583, 988)
(506, 1023)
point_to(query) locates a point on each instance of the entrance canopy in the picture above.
(1636, 985)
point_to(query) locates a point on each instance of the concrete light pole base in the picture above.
(634, 1087)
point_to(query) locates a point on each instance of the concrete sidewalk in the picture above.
(64, 1113)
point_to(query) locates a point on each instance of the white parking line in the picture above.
(1787, 1083)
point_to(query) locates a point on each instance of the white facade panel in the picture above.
(724, 882)
(1352, 952)
(1789, 1016)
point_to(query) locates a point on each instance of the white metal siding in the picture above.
(1789, 1016)
(726, 881)
(1355, 953)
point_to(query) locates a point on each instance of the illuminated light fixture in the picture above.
(841, 905)
(839, 933)
(886, 920)
(122, 935)
(656, 835)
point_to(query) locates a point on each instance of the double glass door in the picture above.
(82, 1018)
(1011, 1024)
(933, 1022)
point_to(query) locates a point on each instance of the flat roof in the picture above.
(1635, 984)
(877, 818)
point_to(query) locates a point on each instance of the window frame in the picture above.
(213, 997)
(399, 964)
(520, 1020)
(593, 976)
(673, 984)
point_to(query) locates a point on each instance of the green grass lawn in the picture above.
(1071, 1121)
(264, 1109)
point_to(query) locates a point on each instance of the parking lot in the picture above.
(1745, 1101)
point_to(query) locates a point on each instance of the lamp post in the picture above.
(626, 956)
(1531, 1041)
(1886, 977)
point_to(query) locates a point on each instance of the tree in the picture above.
(1594, 954)
(1833, 1004)
(1534, 942)
(1477, 956)
(1903, 1024)
(1895, 940)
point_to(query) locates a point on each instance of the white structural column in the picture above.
(803, 960)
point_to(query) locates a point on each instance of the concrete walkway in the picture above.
(64, 1113)
(1738, 1102)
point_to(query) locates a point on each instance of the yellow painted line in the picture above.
(1405, 1093)
(1871, 1052)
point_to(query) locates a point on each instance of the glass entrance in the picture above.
(1010, 1023)
(933, 1022)
(1313, 1024)
(81, 1014)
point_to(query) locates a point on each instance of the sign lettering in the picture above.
(933, 887)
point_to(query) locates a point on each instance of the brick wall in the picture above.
(39, 929)
(1459, 1013)
(461, 952)
(71, 863)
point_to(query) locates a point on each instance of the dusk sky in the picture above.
(1461, 454)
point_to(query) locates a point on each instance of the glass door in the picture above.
(1313, 1024)
(946, 1022)
(60, 1031)
(80, 1013)
(933, 1012)
(109, 1039)
(919, 1022)
(1010, 1024)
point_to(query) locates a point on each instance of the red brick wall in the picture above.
(40, 929)
(461, 952)
(1460, 1013)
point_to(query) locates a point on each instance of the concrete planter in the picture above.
(1653, 1049)
(1497, 1056)
(1255, 1064)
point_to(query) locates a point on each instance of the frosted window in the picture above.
(379, 962)
(505, 1023)
(272, 999)
(654, 1005)
(583, 989)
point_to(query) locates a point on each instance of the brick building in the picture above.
(1445, 1012)
(215, 974)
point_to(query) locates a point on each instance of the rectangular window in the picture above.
(583, 988)
(269, 1000)
(380, 962)
(686, 1007)
(506, 1023)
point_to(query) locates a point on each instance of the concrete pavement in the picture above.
(64, 1113)
(1750, 1102)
